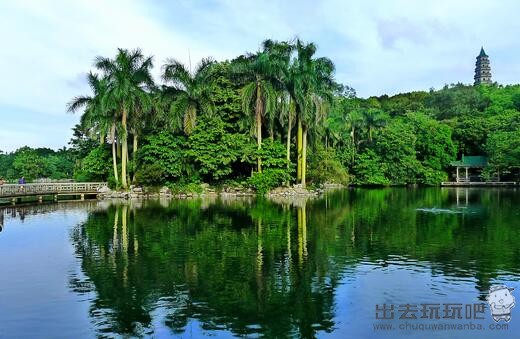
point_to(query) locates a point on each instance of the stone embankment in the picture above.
(142, 193)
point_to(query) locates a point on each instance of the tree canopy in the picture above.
(212, 124)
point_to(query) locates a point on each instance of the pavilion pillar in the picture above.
(467, 177)
(457, 174)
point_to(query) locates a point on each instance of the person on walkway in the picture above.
(21, 182)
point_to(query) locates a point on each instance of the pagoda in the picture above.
(482, 69)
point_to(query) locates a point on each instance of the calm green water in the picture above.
(246, 267)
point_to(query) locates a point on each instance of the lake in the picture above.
(361, 263)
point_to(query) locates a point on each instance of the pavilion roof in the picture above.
(471, 161)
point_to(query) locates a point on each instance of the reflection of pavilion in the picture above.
(465, 196)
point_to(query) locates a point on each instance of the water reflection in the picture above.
(279, 269)
(269, 268)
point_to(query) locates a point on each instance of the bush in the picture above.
(96, 166)
(180, 187)
(267, 180)
(370, 169)
(215, 152)
(162, 158)
(150, 175)
(324, 167)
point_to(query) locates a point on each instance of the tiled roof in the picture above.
(471, 161)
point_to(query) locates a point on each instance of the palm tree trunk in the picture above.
(134, 156)
(114, 152)
(127, 163)
(299, 147)
(289, 141)
(352, 134)
(300, 237)
(259, 260)
(258, 110)
(124, 150)
(304, 156)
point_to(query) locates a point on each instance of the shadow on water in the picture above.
(257, 267)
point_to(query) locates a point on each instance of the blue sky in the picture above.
(386, 46)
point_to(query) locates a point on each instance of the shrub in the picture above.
(324, 167)
(267, 180)
(214, 151)
(162, 158)
(150, 175)
(96, 166)
(370, 169)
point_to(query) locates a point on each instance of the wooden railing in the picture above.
(17, 190)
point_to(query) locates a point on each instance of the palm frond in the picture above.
(78, 102)
(248, 94)
(176, 72)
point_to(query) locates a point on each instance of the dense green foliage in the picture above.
(418, 134)
(219, 122)
(36, 163)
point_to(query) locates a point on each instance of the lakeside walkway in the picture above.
(18, 191)
(478, 183)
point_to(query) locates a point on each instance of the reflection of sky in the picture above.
(36, 261)
(370, 284)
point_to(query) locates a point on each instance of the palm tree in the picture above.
(129, 80)
(259, 73)
(280, 54)
(143, 113)
(312, 92)
(97, 118)
(287, 116)
(373, 118)
(191, 91)
(354, 122)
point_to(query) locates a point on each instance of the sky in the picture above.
(378, 47)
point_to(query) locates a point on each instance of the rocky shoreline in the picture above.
(165, 192)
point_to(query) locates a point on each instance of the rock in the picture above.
(104, 189)
(165, 190)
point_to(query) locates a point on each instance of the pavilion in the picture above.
(471, 162)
